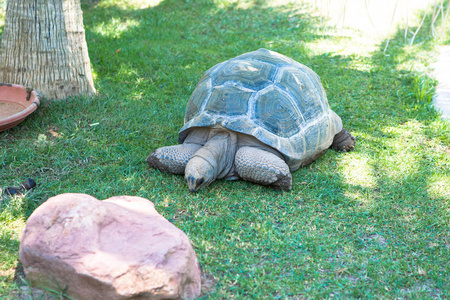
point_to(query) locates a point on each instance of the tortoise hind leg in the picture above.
(343, 141)
(262, 167)
(172, 159)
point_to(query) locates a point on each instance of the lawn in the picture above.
(373, 223)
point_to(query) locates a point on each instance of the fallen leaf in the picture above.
(54, 133)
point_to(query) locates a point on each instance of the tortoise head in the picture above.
(198, 174)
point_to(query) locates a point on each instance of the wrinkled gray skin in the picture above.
(208, 154)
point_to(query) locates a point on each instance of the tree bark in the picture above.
(44, 48)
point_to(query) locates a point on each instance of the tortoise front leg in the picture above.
(172, 159)
(262, 167)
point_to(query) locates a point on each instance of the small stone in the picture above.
(118, 248)
(29, 184)
(13, 191)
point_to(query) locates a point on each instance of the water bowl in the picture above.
(16, 103)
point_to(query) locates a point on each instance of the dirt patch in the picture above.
(25, 292)
(208, 284)
(421, 288)
(379, 239)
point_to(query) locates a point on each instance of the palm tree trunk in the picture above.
(44, 48)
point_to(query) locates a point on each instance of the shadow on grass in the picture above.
(403, 159)
(413, 130)
(8, 250)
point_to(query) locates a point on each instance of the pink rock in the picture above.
(118, 248)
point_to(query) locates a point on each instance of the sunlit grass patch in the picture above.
(10, 232)
(115, 28)
(440, 186)
(358, 170)
(130, 4)
(377, 18)
(343, 45)
(404, 149)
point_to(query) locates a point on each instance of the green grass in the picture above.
(373, 223)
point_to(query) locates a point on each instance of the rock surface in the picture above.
(119, 248)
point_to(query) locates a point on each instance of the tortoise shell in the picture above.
(268, 96)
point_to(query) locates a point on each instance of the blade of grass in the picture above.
(370, 19)
(390, 26)
(444, 21)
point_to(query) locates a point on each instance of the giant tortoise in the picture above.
(257, 117)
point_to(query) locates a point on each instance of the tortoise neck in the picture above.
(219, 151)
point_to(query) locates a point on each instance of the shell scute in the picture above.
(276, 112)
(199, 96)
(248, 73)
(304, 91)
(268, 56)
(228, 100)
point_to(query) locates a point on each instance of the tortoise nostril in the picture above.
(199, 181)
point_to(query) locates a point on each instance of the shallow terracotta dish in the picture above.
(16, 103)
